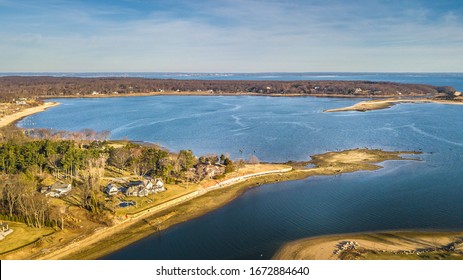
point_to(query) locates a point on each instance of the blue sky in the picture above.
(231, 36)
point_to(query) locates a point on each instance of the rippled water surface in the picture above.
(424, 194)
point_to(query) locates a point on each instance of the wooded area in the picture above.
(19, 86)
(82, 159)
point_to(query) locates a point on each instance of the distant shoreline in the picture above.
(88, 249)
(174, 93)
(55, 87)
(195, 93)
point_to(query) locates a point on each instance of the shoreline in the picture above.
(105, 240)
(111, 239)
(372, 105)
(203, 93)
(135, 229)
(13, 118)
(377, 245)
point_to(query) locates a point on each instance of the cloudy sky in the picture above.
(231, 35)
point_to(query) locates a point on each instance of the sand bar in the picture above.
(104, 240)
(371, 105)
(374, 245)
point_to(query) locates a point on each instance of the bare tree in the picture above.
(119, 157)
(253, 160)
(22, 200)
(91, 177)
(10, 193)
(189, 175)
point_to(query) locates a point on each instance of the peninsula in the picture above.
(45, 86)
(378, 104)
(82, 238)
(82, 228)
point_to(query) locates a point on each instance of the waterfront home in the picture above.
(208, 170)
(136, 191)
(58, 189)
(141, 184)
(158, 186)
(112, 189)
(137, 188)
(144, 187)
(52, 194)
(61, 188)
(131, 191)
(143, 192)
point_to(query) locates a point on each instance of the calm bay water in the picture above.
(424, 194)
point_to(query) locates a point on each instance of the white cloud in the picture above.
(236, 36)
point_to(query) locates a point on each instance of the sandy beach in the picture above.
(99, 241)
(29, 111)
(371, 105)
(207, 93)
(375, 245)
(96, 242)
(93, 244)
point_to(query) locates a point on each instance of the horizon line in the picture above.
(231, 72)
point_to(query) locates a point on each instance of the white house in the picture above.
(158, 185)
(131, 191)
(143, 192)
(52, 194)
(144, 188)
(112, 189)
(61, 188)
(58, 189)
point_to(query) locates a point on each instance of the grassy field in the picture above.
(85, 239)
(22, 235)
(326, 164)
(167, 218)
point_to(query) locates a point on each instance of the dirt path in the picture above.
(107, 232)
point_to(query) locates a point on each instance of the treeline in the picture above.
(68, 158)
(56, 157)
(156, 162)
(79, 136)
(23, 163)
(21, 202)
(18, 86)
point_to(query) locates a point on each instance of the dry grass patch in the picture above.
(22, 235)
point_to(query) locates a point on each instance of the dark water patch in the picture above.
(424, 194)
